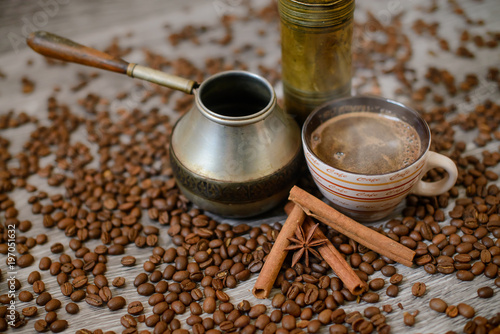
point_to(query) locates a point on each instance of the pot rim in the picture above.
(236, 120)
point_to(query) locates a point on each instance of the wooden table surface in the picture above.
(140, 24)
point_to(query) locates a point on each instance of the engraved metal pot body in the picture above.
(236, 153)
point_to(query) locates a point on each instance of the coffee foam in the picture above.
(366, 143)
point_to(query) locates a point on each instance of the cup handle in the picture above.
(435, 160)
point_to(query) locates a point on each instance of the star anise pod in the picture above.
(303, 245)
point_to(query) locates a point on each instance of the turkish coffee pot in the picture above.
(236, 153)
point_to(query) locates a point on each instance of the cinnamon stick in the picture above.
(364, 235)
(277, 255)
(338, 264)
(335, 260)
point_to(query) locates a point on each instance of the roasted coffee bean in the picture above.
(330, 303)
(370, 297)
(146, 289)
(155, 276)
(387, 308)
(118, 282)
(105, 294)
(376, 284)
(209, 305)
(25, 296)
(38, 287)
(352, 317)
(178, 307)
(338, 329)
(135, 308)
(67, 289)
(470, 327)
(41, 325)
(278, 300)
(128, 321)
(294, 291)
(262, 321)
(25, 260)
(491, 270)
(29, 311)
(80, 281)
(227, 326)
(63, 278)
(423, 260)
(5, 299)
(409, 319)
(193, 319)
(306, 314)
(57, 248)
(396, 279)
(244, 306)
(466, 310)
(348, 295)
(485, 292)
(58, 326)
(196, 294)
(465, 275)
(168, 316)
(53, 305)
(256, 310)
(169, 298)
(50, 317)
(366, 268)
(311, 295)
(92, 289)
(325, 316)
(221, 296)
(143, 278)
(392, 290)
(162, 326)
(33, 277)
(445, 268)
(195, 308)
(100, 281)
(72, 308)
(430, 268)
(370, 311)
(77, 295)
(418, 289)
(452, 311)
(378, 319)
(219, 317)
(43, 298)
(388, 270)
(94, 300)
(242, 321)
(226, 307)
(116, 303)
(289, 307)
(313, 326)
(152, 320)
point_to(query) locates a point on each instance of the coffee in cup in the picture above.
(366, 143)
(367, 153)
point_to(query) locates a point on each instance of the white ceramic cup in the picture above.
(373, 197)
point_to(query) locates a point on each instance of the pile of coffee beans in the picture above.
(115, 197)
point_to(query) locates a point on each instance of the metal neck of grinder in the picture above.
(314, 14)
(235, 98)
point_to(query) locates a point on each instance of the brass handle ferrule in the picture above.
(161, 78)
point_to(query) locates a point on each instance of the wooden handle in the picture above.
(58, 47)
